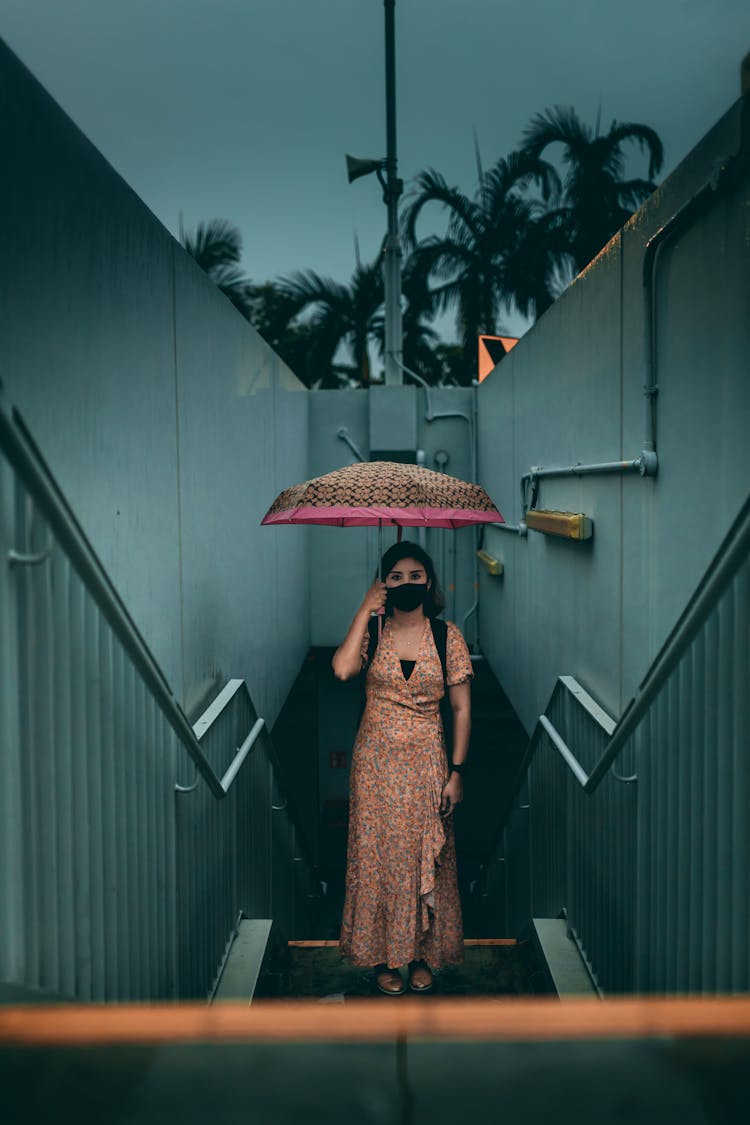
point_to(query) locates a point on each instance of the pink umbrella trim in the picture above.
(342, 516)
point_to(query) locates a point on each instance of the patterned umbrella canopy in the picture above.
(383, 493)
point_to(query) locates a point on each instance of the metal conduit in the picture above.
(516, 528)
(726, 173)
(580, 469)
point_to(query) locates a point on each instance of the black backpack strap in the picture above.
(372, 628)
(372, 644)
(440, 635)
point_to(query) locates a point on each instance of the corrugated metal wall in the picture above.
(651, 874)
(693, 860)
(114, 885)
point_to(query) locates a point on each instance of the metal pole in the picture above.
(393, 188)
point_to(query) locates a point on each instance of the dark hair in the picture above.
(434, 603)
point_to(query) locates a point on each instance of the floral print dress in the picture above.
(401, 900)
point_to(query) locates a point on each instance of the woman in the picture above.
(401, 904)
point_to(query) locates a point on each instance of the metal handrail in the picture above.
(543, 724)
(565, 752)
(23, 453)
(719, 573)
(236, 764)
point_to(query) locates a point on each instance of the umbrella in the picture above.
(384, 493)
(381, 494)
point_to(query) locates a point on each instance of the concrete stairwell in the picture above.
(316, 970)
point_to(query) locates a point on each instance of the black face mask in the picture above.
(407, 596)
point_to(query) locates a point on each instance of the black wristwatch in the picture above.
(458, 767)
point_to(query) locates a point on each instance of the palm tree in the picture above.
(597, 200)
(217, 248)
(477, 260)
(272, 315)
(539, 265)
(340, 314)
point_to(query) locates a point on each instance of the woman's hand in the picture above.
(374, 599)
(347, 659)
(453, 794)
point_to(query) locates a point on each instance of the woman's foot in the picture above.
(388, 981)
(420, 977)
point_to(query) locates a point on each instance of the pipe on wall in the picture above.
(471, 420)
(725, 173)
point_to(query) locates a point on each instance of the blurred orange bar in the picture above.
(486, 1019)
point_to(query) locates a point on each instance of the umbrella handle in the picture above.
(381, 611)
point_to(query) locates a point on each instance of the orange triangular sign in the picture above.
(491, 351)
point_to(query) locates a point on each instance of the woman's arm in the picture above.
(460, 700)
(347, 659)
(453, 790)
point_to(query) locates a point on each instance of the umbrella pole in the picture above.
(399, 532)
(380, 555)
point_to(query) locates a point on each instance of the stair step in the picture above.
(468, 942)
(491, 967)
(253, 953)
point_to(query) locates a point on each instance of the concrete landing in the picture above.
(316, 970)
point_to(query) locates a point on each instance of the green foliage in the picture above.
(217, 248)
(510, 247)
(597, 201)
(479, 262)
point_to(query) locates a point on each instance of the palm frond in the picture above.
(216, 242)
(647, 139)
(632, 193)
(431, 187)
(558, 125)
(306, 288)
(519, 170)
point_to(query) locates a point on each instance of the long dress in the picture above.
(401, 901)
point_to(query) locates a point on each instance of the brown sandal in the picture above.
(384, 973)
(420, 987)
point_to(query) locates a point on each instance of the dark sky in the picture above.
(245, 108)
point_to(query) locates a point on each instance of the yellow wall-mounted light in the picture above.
(490, 563)
(568, 525)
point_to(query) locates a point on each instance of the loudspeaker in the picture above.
(356, 167)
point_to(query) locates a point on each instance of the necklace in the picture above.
(402, 635)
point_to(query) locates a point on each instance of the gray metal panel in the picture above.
(573, 390)
(109, 892)
(694, 898)
(393, 419)
(83, 892)
(168, 422)
(652, 873)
